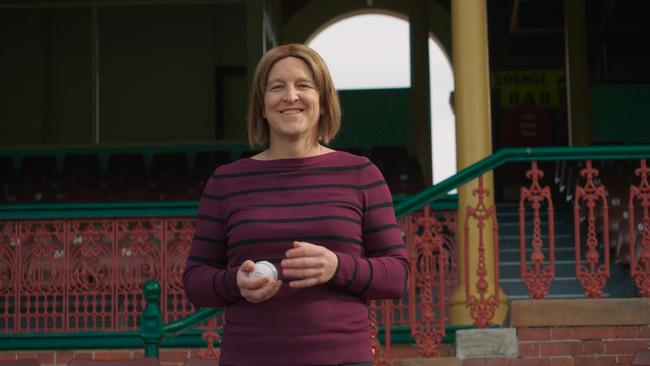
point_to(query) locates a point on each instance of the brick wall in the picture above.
(168, 357)
(577, 332)
(573, 346)
(572, 332)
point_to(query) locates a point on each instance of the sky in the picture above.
(372, 51)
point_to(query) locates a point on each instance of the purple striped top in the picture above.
(254, 209)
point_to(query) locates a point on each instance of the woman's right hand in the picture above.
(255, 289)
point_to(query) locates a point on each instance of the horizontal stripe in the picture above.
(209, 240)
(296, 204)
(302, 219)
(307, 203)
(378, 183)
(218, 220)
(379, 205)
(291, 239)
(281, 171)
(208, 261)
(384, 249)
(294, 188)
(380, 228)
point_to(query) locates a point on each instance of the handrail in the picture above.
(190, 321)
(97, 210)
(507, 155)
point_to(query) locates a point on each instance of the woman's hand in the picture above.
(255, 289)
(309, 264)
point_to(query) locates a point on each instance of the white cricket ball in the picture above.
(264, 269)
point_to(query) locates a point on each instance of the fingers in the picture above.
(302, 262)
(308, 264)
(302, 249)
(302, 272)
(246, 282)
(253, 283)
(247, 266)
(263, 293)
(255, 289)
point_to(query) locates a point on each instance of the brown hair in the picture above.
(330, 120)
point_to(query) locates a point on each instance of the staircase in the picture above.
(565, 284)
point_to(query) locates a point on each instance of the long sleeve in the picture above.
(384, 270)
(207, 279)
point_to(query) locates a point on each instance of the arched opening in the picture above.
(443, 121)
(371, 51)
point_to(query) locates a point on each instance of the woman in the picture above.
(323, 217)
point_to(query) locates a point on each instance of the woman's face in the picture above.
(291, 102)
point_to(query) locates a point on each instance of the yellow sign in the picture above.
(542, 86)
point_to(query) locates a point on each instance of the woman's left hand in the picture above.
(309, 264)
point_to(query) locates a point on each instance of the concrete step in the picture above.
(511, 228)
(562, 287)
(563, 268)
(512, 241)
(512, 254)
(618, 285)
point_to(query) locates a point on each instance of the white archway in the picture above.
(443, 121)
(357, 52)
(365, 51)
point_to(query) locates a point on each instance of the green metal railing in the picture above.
(154, 334)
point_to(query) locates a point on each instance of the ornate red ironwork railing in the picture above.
(430, 240)
(591, 218)
(87, 275)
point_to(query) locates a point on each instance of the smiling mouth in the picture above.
(288, 112)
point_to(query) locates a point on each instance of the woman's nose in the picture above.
(290, 94)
